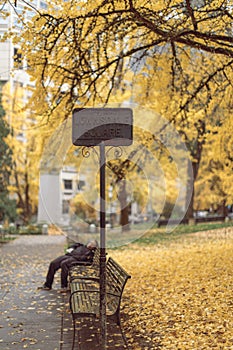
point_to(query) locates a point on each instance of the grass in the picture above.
(6, 239)
(151, 236)
(159, 235)
(145, 235)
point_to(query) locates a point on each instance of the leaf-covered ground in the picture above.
(30, 318)
(180, 295)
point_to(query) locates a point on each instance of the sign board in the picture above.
(113, 126)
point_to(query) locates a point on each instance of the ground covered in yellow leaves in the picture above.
(180, 295)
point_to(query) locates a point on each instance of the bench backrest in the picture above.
(82, 270)
(116, 278)
(96, 258)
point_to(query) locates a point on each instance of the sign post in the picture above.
(102, 127)
(103, 328)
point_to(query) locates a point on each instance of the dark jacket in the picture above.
(81, 252)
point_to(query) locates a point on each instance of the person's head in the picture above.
(93, 244)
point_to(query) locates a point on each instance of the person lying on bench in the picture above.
(77, 252)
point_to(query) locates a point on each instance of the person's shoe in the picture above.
(44, 287)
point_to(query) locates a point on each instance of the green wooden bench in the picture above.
(85, 296)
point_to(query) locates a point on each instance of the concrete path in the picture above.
(31, 318)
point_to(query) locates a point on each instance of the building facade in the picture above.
(57, 189)
(12, 63)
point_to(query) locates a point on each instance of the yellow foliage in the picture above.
(162, 55)
(180, 294)
(25, 142)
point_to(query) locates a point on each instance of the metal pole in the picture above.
(103, 327)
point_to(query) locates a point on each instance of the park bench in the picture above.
(85, 296)
(164, 222)
(210, 219)
(197, 220)
(83, 269)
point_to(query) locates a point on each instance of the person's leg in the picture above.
(53, 267)
(65, 265)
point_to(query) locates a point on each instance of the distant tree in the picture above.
(198, 104)
(25, 154)
(7, 205)
(214, 187)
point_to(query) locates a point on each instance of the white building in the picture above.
(56, 191)
(11, 61)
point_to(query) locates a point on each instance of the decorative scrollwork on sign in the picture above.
(117, 151)
(86, 151)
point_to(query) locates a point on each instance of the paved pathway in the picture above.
(31, 318)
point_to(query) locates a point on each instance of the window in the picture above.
(43, 5)
(3, 15)
(68, 184)
(80, 185)
(3, 20)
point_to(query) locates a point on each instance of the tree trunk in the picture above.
(124, 217)
(195, 149)
(27, 209)
(223, 210)
(192, 176)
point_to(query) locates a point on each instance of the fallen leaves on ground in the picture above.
(29, 318)
(180, 295)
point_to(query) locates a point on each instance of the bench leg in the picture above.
(123, 336)
(116, 319)
(74, 331)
